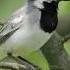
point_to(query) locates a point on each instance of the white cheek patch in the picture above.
(39, 3)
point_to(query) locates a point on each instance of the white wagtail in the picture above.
(29, 27)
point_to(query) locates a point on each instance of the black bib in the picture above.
(49, 18)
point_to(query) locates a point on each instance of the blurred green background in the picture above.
(9, 6)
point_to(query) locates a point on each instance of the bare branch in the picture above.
(66, 38)
(13, 66)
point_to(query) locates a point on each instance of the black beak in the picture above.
(49, 16)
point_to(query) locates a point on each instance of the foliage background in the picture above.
(8, 6)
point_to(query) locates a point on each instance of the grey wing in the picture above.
(12, 25)
(7, 31)
(15, 21)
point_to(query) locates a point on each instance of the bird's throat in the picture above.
(49, 18)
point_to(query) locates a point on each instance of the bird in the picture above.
(29, 27)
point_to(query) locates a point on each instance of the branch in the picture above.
(13, 66)
(56, 54)
(66, 38)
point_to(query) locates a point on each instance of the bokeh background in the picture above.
(9, 6)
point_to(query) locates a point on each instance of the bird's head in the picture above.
(48, 9)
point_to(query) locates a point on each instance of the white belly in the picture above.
(23, 42)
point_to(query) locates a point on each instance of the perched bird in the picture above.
(29, 27)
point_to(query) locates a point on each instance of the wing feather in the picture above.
(13, 23)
